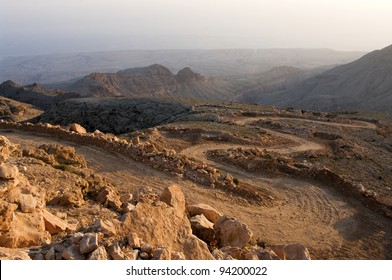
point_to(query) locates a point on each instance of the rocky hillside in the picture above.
(155, 80)
(365, 85)
(16, 111)
(116, 115)
(34, 94)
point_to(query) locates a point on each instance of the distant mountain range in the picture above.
(152, 81)
(225, 63)
(364, 85)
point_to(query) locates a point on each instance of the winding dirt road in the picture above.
(331, 225)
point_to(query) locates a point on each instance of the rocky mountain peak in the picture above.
(186, 75)
(8, 84)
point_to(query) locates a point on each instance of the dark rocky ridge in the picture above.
(116, 115)
(34, 94)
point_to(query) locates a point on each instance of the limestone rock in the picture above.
(99, 254)
(267, 254)
(210, 213)
(132, 255)
(73, 253)
(161, 254)
(27, 229)
(116, 253)
(106, 227)
(173, 196)
(13, 254)
(133, 240)
(219, 255)
(202, 228)
(147, 248)
(291, 251)
(76, 238)
(6, 148)
(6, 214)
(160, 224)
(109, 198)
(251, 256)
(196, 249)
(231, 232)
(27, 203)
(88, 243)
(77, 128)
(8, 171)
(53, 224)
(177, 256)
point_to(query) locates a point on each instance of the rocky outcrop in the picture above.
(166, 226)
(119, 115)
(24, 220)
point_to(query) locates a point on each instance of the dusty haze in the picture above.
(47, 26)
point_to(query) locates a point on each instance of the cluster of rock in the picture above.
(25, 221)
(164, 227)
(162, 159)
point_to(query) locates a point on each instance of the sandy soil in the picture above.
(331, 225)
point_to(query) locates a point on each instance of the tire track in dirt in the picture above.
(313, 214)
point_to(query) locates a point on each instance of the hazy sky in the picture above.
(52, 26)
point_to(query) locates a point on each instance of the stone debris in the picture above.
(73, 253)
(116, 253)
(53, 224)
(99, 254)
(88, 243)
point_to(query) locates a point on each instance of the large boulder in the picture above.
(161, 225)
(26, 229)
(203, 228)
(203, 209)
(231, 232)
(173, 196)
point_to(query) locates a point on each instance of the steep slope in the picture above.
(155, 80)
(16, 111)
(365, 85)
(276, 79)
